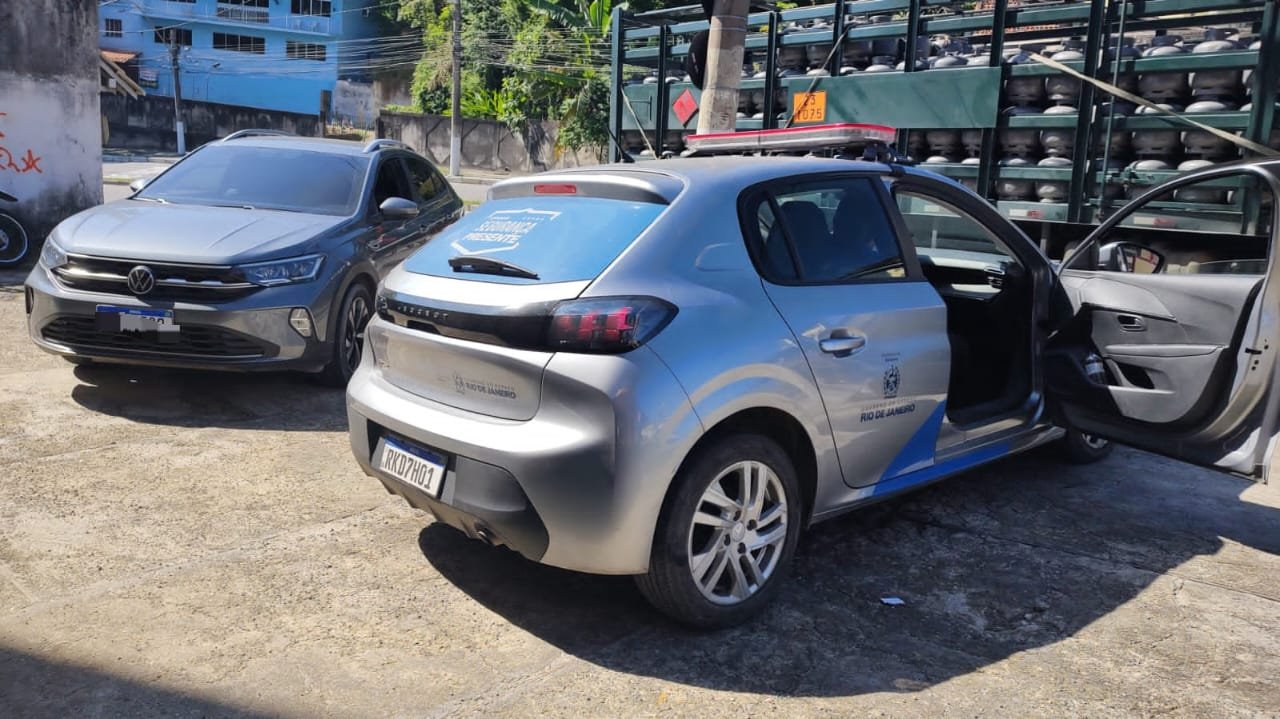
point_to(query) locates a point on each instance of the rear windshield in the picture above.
(561, 239)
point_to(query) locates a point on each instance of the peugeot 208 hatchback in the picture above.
(667, 371)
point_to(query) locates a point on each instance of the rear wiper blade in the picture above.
(238, 206)
(159, 200)
(489, 266)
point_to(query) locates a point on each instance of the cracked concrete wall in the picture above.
(146, 123)
(487, 145)
(50, 125)
(353, 104)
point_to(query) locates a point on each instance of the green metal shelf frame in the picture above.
(1103, 23)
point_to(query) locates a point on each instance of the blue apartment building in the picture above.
(284, 55)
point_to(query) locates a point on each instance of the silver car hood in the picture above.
(189, 233)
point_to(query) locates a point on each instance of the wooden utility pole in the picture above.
(718, 110)
(174, 56)
(455, 112)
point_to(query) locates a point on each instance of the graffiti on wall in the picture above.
(21, 164)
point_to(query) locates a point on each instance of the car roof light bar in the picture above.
(793, 139)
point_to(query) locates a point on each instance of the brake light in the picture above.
(555, 189)
(608, 325)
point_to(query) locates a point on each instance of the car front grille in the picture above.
(81, 333)
(192, 283)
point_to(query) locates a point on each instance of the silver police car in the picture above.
(258, 251)
(670, 369)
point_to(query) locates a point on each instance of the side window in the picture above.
(824, 231)
(775, 253)
(939, 229)
(389, 183)
(1215, 226)
(425, 179)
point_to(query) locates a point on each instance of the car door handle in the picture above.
(842, 346)
(1131, 323)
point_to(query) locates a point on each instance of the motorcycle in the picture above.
(13, 239)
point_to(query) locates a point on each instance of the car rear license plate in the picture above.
(414, 466)
(135, 319)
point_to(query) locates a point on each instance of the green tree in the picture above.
(523, 61)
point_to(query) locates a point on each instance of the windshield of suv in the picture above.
(263, 177)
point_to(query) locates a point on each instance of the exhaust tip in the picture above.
(484, 535)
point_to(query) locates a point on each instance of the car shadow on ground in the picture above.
(1013, 557)
(187, 398)
(32, 686)
(11, 278)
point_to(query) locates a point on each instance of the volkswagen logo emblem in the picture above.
(141, 281)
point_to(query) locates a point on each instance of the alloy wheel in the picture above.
(353, 332)
(738, 532)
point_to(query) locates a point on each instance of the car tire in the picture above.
(348, 336)
(1080, 447)
(728, 580)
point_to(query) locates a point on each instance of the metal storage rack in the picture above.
(969, 98)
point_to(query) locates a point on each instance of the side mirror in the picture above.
(397, 208)
(1130, 257)
(137, 185)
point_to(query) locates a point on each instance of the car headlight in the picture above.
(51, 255)
(282, 272)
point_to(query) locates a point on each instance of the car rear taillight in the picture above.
(606, 325)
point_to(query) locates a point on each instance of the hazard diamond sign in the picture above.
(685, 106)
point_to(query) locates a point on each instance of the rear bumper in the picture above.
(489, 505)
(249, 334)
(578, 486)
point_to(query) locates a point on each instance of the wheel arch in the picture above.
(362, 274)
(777, 425)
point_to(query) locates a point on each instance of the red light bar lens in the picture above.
(555, 189)
(810, 137)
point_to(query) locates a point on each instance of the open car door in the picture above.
(1167, 324)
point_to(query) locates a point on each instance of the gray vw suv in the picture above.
(257, 251)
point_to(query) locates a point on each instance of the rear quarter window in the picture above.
(562, 239)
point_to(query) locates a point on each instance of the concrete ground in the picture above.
(186, 544)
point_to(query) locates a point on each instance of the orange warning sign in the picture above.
(809, 106)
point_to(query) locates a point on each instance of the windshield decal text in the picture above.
(502, 230)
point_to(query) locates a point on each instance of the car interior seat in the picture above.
(859, 241)
(808, 229)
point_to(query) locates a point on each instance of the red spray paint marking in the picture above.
(30, 161)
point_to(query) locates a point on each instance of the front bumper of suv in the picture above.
(249, 333)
